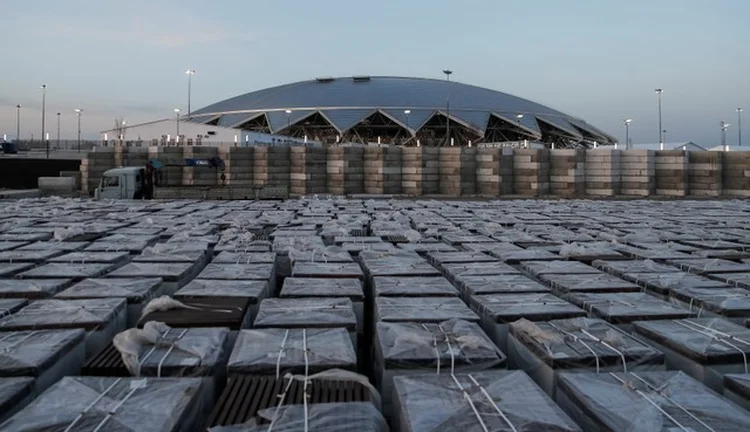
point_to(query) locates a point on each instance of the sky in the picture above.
(596, 59)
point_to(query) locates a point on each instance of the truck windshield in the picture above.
(110, 181)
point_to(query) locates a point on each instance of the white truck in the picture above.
(124, 183)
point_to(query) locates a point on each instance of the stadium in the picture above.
(398, 110)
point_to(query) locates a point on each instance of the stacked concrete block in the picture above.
(671, 170)
(174, 159)
(271, 166)
(392, 161)
(354, 170)
(335, 170)
(602, 173)
(373, 169)
(93, 167)
(345, 167)
(430, 170)
(450, 171)
(637, 173)
(506, 171)
(239, 168)
(118, 153)
(468, 171)
(705, 173)
(135, 156)
(488, 171)
(736, 174)
(531, 172)
(411, 171)
(203, 176)
(567, 173)
(222, 177)
(308, 170)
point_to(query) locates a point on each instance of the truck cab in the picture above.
(122, 183)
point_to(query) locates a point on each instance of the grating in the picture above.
(204, 312)
(246, 395)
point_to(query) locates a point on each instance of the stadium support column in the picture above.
(448, 73)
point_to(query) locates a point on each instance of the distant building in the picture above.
(165, 133)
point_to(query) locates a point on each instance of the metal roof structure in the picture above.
(398, 110)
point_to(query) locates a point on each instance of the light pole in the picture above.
(18, 124)
(58, 130)
(627, 133)
(78, 112)
(739, 127)
(406, 114)
(288, 120)
(661, 137)
(190, 73)
(44, 107)
(724, 127)
(177, 118)
(448, 74)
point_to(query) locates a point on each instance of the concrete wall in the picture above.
(448, 171)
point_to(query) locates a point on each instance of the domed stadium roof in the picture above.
(363, 106)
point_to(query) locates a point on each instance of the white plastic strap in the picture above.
(656, 405)
(305, 395)
(281, 353)
(434, 347)
(450, 350)
(18, 342)
(577, 339)
(717, 336)
(116, 407)
(151, 351)
(620, 353)
(665, 396)
(494, 405)
(91, 405)
(169, 351)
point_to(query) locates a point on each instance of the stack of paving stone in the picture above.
(637, 172)
(450, 171)
(345, 169)
(468, 171)
(531, 172)
(136, 156)
(431, 170)
(373, 169)
(736, 173)
(201, 175)
(170, 175)
(271, 166)
(392, 161)
(93, 167)
(705, 173)
(308, 170)
(239, 167)
(672, 168)
(411, 171)
(488, 171)
(567, 176)
(602, 172)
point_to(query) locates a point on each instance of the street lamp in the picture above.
(177, 117)
(724, 127)
(44, 108)
(661, 137)
(18, 124)
(739, 127)
(448, 74)
(79, 112)
(288, 120)
(58, 130)
(190, 73)
(627, 132)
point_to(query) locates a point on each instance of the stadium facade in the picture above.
(397, 110)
